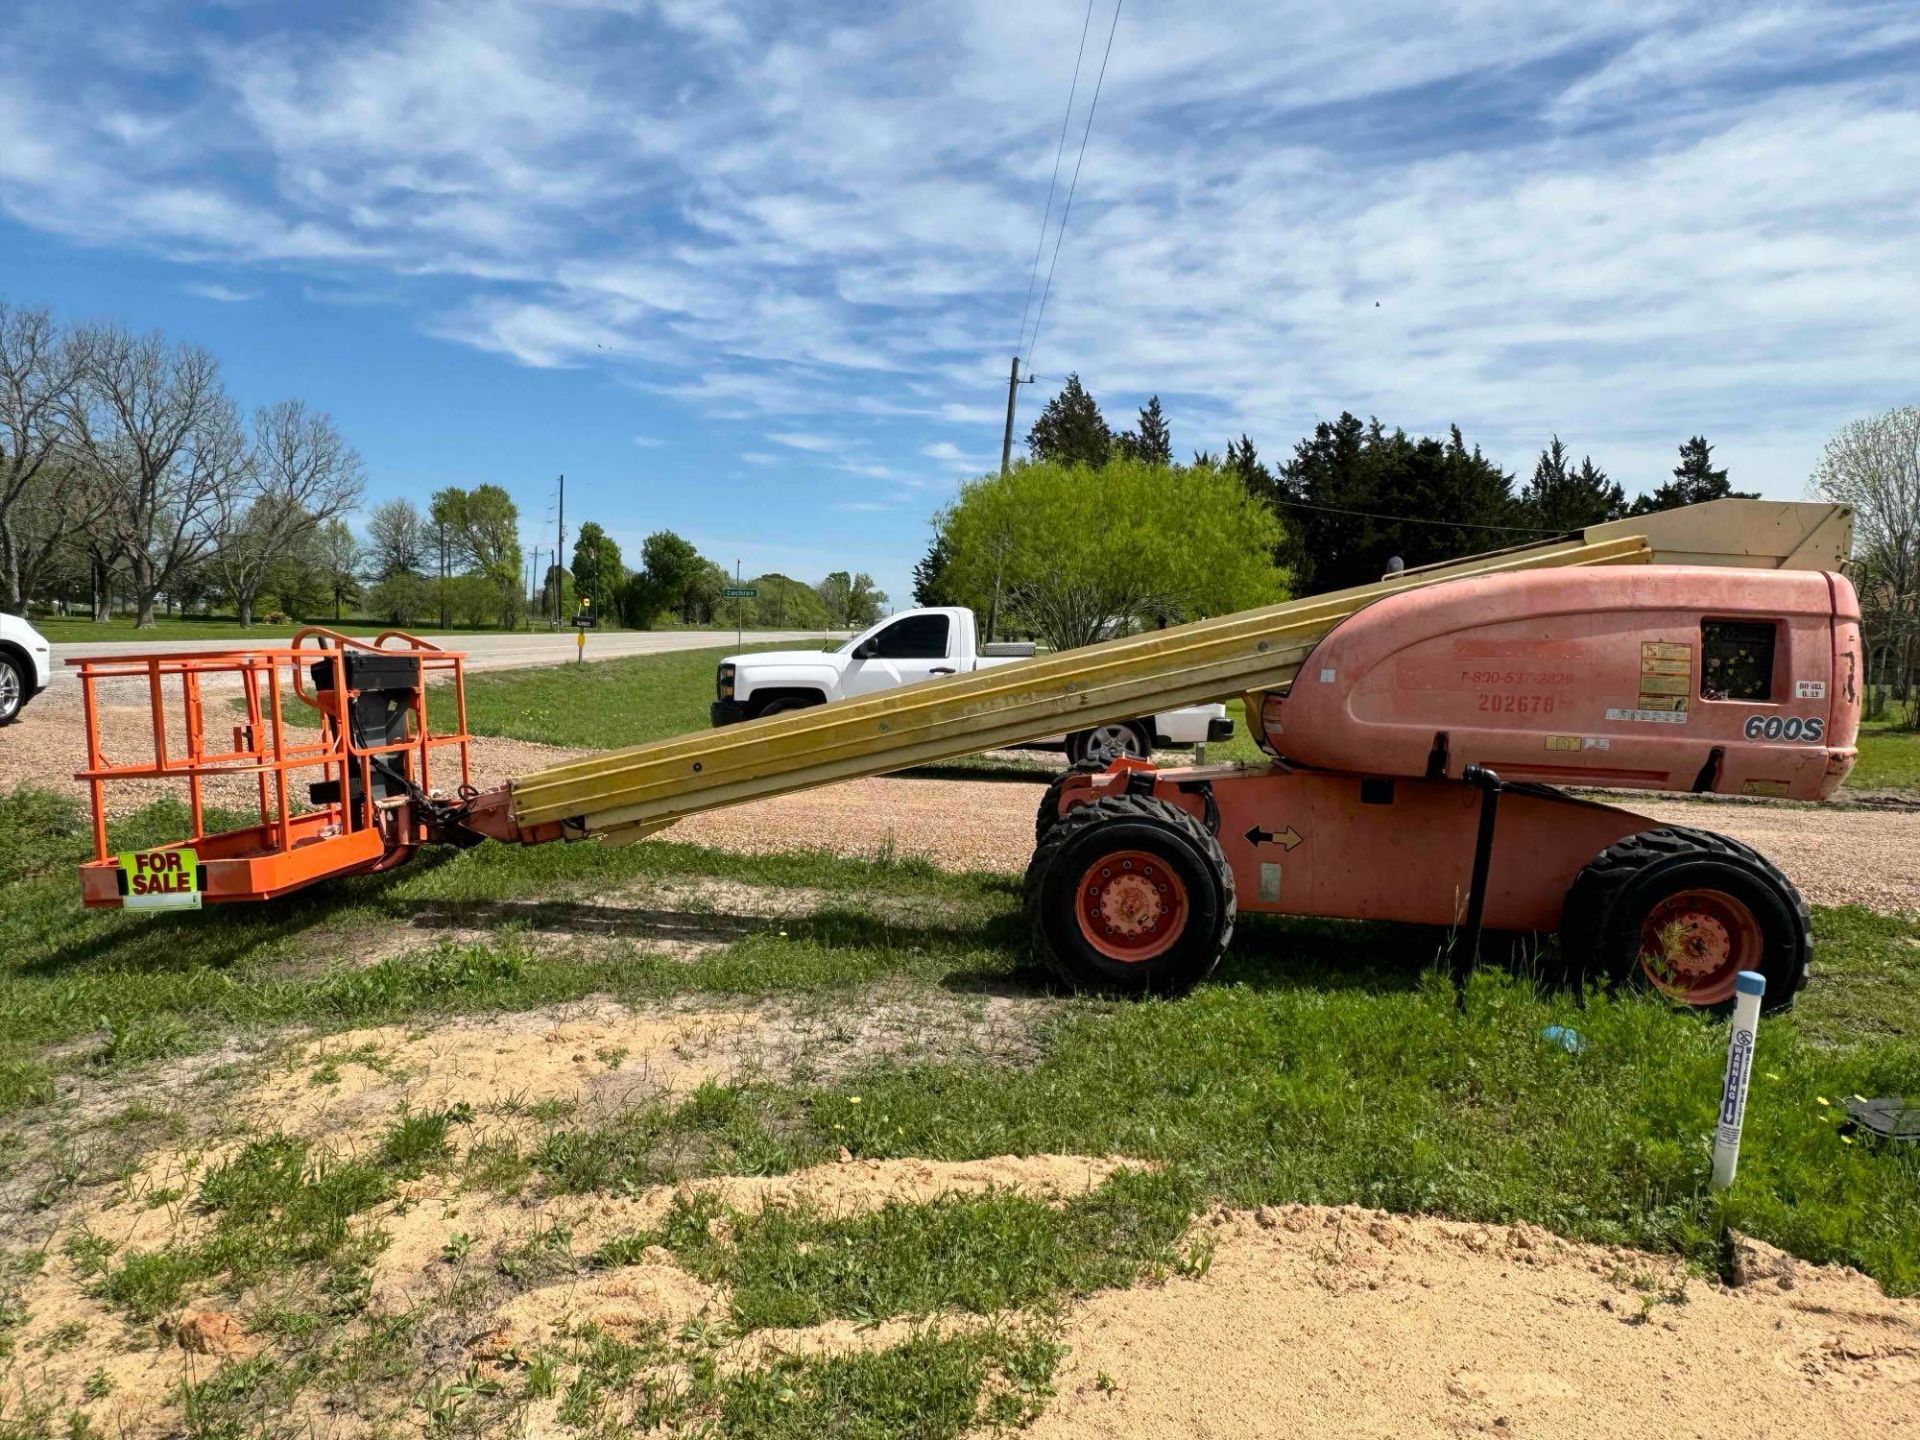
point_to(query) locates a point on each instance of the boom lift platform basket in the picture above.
(369, 765)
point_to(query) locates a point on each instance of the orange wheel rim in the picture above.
(1693, 944)
(1131, 906)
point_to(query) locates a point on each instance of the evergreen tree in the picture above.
(1694, 480)
(1379, 494)
(1071, 430)
(1152, 441)
(1563, 498)
(597, 571)
(929, 573)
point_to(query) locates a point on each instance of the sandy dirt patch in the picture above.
(349, 1084)
(657, 1291)
(1348, 1323)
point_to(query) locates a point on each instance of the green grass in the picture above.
(604, 705)
(1327, 1063)
(1889, 758)
(982, 1254)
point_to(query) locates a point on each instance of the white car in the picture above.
(919, 645)
(26, 665)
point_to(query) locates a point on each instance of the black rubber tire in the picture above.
(1077, 742)
(1048, 814)
(1601, 922)
(783, 705)
(10, 711)
(1134, 822)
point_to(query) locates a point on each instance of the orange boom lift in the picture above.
(1417, 735)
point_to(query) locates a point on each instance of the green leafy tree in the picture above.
(788, 604)
(1151, 440)
(597, 571)
(446, 519)
(1364, 494)
(1071, 430)
(669, 570)
(1695, 479)
(489, 534)
(1080, 555)
(1561, 496)
(929, 583)
(400, 598)
(853, 601)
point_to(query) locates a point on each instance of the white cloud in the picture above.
(800, 440)
(1625, 219)
(648, 442)
(224, 294)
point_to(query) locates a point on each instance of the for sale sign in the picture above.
(161, 879)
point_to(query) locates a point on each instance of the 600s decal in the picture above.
(1785, 727)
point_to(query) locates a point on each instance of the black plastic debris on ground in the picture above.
(1889, 1119)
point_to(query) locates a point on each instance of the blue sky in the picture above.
(752, 271)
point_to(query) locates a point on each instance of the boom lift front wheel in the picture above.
(1683, 911)
(1129, 895)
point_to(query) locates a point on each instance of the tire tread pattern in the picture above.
(1125, 807)
(1599, 885)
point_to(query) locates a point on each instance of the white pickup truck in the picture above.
(918, 645)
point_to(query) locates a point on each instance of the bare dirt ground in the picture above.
(1349, 1323)
(1301, 1321)
(1836, 855)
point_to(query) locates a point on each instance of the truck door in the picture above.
(912, 648)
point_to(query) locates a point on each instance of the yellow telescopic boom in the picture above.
(628, 793)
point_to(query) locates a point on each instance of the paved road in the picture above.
(484, 651)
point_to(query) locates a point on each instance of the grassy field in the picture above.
(1889, 758)
(1327, 1063)
(602, 705)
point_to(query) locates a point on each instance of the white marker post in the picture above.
(1748, 987)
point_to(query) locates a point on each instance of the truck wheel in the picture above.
(13, 690)
(1104, 742)
(1049, 812)
(1683, 911)
(1129, 895)
(781, 707)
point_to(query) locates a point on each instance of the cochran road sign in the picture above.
(740, 592)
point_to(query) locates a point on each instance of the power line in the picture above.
(1060, 151)
(1067, 210)
(1414, 519)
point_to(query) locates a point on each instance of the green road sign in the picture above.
(740, 592)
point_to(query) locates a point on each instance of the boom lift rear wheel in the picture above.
(1682, 911)
(1131, 896)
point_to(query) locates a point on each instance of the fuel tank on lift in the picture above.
(1735, 682)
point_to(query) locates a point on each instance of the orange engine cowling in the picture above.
(1739, 682)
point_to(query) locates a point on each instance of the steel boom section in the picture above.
(654, 784)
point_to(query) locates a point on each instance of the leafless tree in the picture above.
(40, 372)
(299, 475)
(158, 437)
(398, 540)
(1873, 465)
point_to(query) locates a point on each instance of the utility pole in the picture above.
(739, 624)
(559, 549)
(1014, 382)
